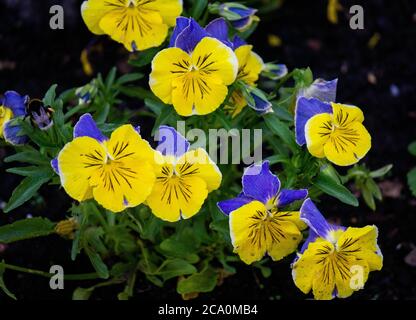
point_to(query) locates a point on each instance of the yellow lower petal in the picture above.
(317, 132)
(78, 161)
(168, 9)
(348, 145)
(93, 11)
(5, 115)
(250, 64)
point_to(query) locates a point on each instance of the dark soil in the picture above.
(380, 80)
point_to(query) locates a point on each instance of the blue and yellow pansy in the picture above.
(194, 73)
(137, 24)
(117, 171)
(334, 261)
(12, 106)
(184, 177)
(240, 16)
(332, 130)
(258, 226)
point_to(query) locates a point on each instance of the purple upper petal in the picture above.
(86, 127)
(243, 12)
(261, 104)
(190, 36)
(218, 29)
(12, 133)
(287, 197)
(242, 23)
(181, 24)
(306, 109)
(259, 183)
(310, 214)
(228, 206)
(55, 165)
(15, 102)
(238, 42)
(323, 90)
(171, 142)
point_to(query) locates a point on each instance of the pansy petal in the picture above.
(242, 24)
(166, 65)
(190, 36)
(13, 134)
(284, 239)
(87, 127)
(93, 11)
(250, 64)
(259, 183)
(171, 142)
(242, 11)
(198, 163)
(287, 197)
(325, 91)
(77, 162)
(348, 145)
(310, 214)
(15, 102)
(238, 42)
(168, 9)
(218, 29)
(181, 24)
(55, 165)
(261, 104)
(318, 131)
(228, 206)
(306, 109)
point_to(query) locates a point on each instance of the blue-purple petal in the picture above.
(243, 12)
(242, 23)
(310, 214)
(171, 142)
(181, 24)
(218, 29)
(86, 127)
(15, 102)
(259, 183)
(320, 89)
(13, 135)
(306, 109)
(238, 42)
(261, 104)
(287, 197)
(190, 36)
(55, 165)
(228, 206)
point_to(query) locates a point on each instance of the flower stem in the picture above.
(83, 276)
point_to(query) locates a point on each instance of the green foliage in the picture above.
(411, 176)
(26, 229)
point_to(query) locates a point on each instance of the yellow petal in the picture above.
(167, 64)
(363, 242)
(284, 239)
(135, 28)
(168, 9)
(5, 115)
(235, 104)
(77, 162)
(250, 64)
(93, 11)
(348, 145)
(174, 197)
(213, 58)
(307, 268)
(198, 163)
(345, 114)
(197, 94)
(317, 132)
(293, 217)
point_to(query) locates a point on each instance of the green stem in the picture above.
(74, 110)
(83, 276)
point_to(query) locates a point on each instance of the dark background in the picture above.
(380, 80)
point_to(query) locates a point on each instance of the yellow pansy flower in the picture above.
(116, 172)
(335, 261)
(193, 75)
(332, 130)
(137, 24)
(258, 223)
(183, 178)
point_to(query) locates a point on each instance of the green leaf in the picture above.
(412, 148)
(172, 268)
(82, 293)
(130, 77)
(26, 229)
(109, 81)
(50, 95)
(198, 8)
(411, 179)
(143, 58)
(369, 199)
(381, 172)
(281, 129)
(182, 245)
(332, 187)
(97, 263)
(3, 285)
(27, 189)
(33, 157)
(163, 118)
(137, 92)
(204, 281)
(24, 171)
